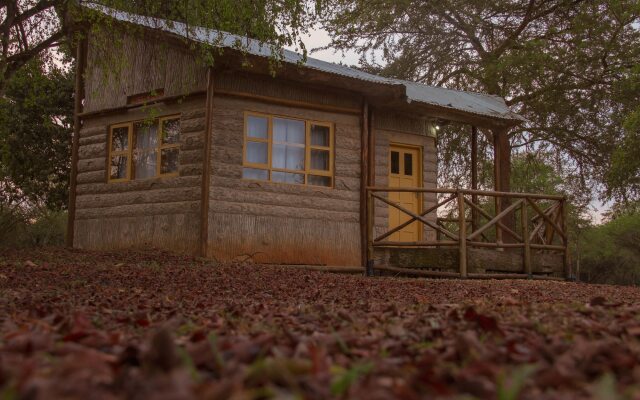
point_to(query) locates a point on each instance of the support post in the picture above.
(81, 58)
(371, 218)
(525, 237)
(371, 178)
(206, 167)
(565, 240)
(502, 177)
(474, 176)
(462, 236)
(364, 174)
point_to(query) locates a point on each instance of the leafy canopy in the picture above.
(557, 62)
(36, 122)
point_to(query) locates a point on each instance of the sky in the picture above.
(317, 38)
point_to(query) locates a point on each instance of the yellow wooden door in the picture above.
(404, 171)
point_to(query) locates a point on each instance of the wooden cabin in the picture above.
(319, 165)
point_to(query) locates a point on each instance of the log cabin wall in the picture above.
(160, 212)
(275, 222)
(389, 127)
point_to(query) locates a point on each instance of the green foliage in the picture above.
(44, 228)
(610, 253)
(36, 118)
(562, 64)
(623, 179)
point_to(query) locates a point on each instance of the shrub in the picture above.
(43, 227)
(610, 253)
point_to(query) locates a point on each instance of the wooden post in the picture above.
(565, 240)
(371, 178)
(81, 58)
(525, 236)
(206, 166)
(496, 181)
(474, 176)
(371, 218)
(364, 174)
(502, 177)
(462, 236)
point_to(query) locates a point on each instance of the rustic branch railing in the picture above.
(468, 225)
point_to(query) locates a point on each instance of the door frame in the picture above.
(420, 168)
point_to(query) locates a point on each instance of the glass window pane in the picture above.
(319, 180)
(120, 139)
(144, 164)
(288, 130)
(287, 177)
(118, 167)
(146, 135)
(169, 160)
(287, 157)
(408, 164)
(320, 159)
(171, 131)
(320, 135)
(253, 173)
(395, 162)
(257, 127)
(257, 152)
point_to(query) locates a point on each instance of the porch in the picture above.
(470, 234)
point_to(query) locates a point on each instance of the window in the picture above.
(144, 149)
(288, 150)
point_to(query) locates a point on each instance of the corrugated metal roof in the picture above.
(468, 102)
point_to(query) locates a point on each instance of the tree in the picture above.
(32, 28)
(557, 62)
(36, 123)
(623, 179)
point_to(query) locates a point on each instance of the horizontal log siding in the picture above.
(159, 212)
(411, 132)
(138, 63)
(281, 223)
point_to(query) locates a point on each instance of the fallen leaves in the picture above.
(77, 324)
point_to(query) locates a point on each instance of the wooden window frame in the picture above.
(128, 152)
(165, 146)
(131, 148)
(307, 150)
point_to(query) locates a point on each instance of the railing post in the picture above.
(525, 236)
(565, 239)
(371, 222)
(462, 235)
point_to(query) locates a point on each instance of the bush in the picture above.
(610, 253)
(44, 227)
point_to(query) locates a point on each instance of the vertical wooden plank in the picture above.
(81, 59)
(364, 173)
(206, 166)
(462, 239)
(525, 236)
(474, 176)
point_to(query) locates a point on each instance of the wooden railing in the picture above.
(459, 218)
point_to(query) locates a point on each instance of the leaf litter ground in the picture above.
(79, 324)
